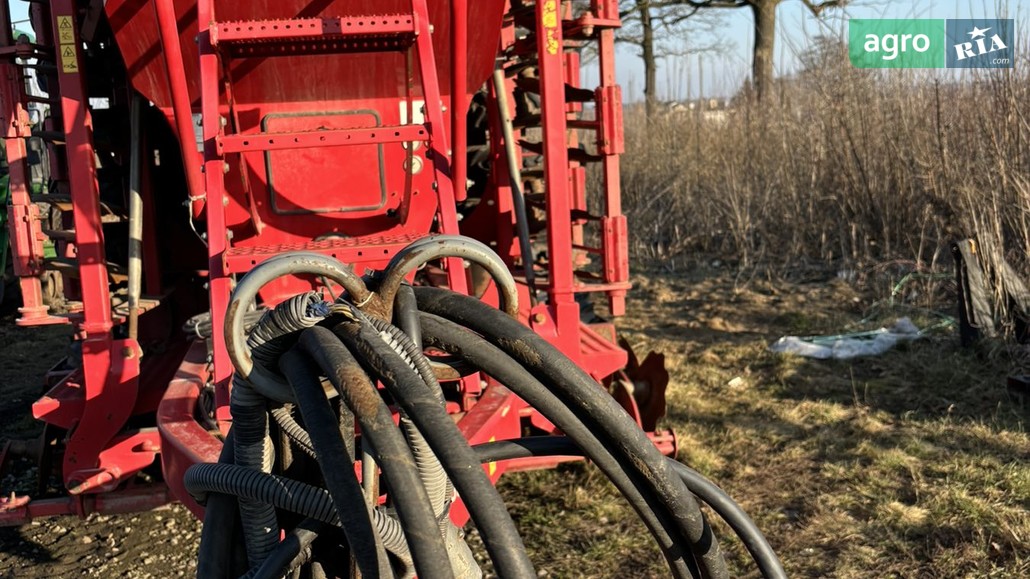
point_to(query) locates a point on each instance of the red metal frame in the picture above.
(110, 367)
(459, 88)
(175, 71)
(23, 215)
(324, 138)
(426, 56)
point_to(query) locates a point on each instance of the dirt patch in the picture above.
(155, 544)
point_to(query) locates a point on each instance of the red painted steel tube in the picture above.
(556, 175)
(322, 138)
(214, 189)
(181, 107)
(439, 143)
(22, 214)
(459, 80)
(609, 111)
(133, 500)
(89, 238)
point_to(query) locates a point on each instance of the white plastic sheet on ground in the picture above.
(847, 346)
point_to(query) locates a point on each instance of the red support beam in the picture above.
(181, 107)
(324, 138)
(556, 173)
(459, 80)
(214, 191)
(302, 28)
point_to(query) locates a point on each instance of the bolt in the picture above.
(128, 353)
(225, 168)
(539, 318)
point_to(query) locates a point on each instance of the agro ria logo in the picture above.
(980, 43)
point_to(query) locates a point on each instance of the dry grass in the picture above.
(841, 166)
(913, 464)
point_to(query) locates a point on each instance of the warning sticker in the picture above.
(69, 59)
(65, 23)
(66, 38)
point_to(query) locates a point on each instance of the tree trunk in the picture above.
(648, 55)
(764, 12)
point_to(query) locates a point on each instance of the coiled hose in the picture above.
(305, 350)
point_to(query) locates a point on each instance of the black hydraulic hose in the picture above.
(716, 498)
(754, 541)
(405, 311)
(277, 330)
(407, 349)
(219, 555)
(486, 507)
(429, 554)
(389, 529)
(253, 449)
(405, 314)
(473, 349)
(292, 552)
(293, 430)
(203, 479)
(579, 391)
(336, 464)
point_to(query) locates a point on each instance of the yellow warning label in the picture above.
(69, 59)
(66, 35)
(491, 468)
(550, 22)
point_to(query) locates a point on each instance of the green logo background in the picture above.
(889, 32)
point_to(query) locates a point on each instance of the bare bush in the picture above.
(843, 167)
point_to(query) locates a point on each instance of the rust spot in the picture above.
(363, 398)
(521, 349)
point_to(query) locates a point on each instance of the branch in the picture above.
(817, 8)
(717, 3)
(669, 20)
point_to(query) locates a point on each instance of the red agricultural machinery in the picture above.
(321, 261)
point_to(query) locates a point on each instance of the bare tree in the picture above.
(764, 15)
(657, 28)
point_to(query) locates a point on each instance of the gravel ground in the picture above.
(161, 543)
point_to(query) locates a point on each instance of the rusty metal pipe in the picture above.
(433, 247)
(264, 380)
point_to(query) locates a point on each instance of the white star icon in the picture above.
(977, 32)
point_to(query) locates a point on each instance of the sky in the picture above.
(721, 74)
(724, 72)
